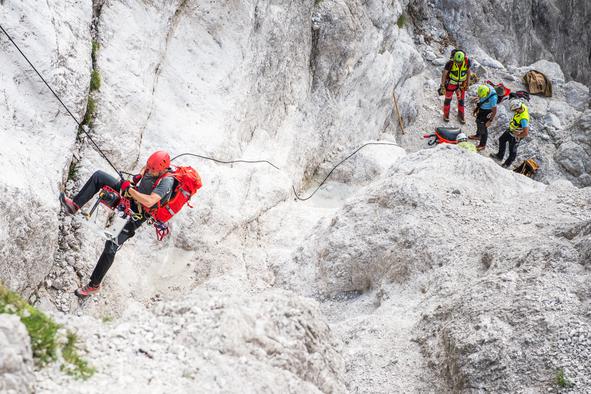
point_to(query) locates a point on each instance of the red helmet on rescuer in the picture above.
(158, 161)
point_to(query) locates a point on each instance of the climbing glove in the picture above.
(441, 90)
(136, 179)
(125, 185)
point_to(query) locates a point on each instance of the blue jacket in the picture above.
(490, 101)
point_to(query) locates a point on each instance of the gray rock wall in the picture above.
(16, 360)
(574, 153)
(515, 31)
(36, 134)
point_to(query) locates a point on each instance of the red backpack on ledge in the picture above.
(187, 182)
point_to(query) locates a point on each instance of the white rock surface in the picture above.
(217, 339)
(492, 255)
(16, 361)
(36, 133)
(397, 248)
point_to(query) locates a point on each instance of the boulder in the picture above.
(16, 357)
(577, 95)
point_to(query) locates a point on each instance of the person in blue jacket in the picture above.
(486, 110)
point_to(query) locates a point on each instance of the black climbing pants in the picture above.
(508, 138)
(92, 186)
(481, 129)
(108, 255)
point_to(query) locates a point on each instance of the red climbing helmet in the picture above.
(158, 161)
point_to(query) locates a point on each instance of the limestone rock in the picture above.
(16, 357)
(37, 133)
(574, 153)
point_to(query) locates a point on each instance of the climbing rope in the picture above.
(120, 173)
(80, 126)
(335, 167)
(277, 168)
(227, 161)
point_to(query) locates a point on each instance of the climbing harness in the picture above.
(109, 200)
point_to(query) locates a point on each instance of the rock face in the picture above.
(389, 242)
(515, 32)
(431, 271)
(574, 154)
(37, 135)
(251, 92)
(16, 361)
(220, 339)
(495, 296)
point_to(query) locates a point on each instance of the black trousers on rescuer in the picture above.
(481, 129)
(508, 138)
(92, 186)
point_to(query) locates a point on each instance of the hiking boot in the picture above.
(462, 119)
(480, 148)
(70, 206)
(87, 291)
(495, 157)
(445, 118)
(474, 137)
(506, 165)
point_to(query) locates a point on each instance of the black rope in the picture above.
(335, 167)
(80, 126)
(227, 161)
(277, 168)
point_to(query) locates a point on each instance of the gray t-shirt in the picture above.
(163, 189)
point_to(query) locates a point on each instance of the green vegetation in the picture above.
(72, 170)
(43, 332)
(316, 2)
(74, 365)
(107, 319)
(95, 48)
(401, 21)
(95, 81)
(90, 112)
(562, 380)
(42, 329)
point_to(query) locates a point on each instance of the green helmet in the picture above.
(459, 57)
(483, 91)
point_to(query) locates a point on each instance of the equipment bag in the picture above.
(538, 83)
(528, 168)
(520, 94)
(187, 182)
(502, 91)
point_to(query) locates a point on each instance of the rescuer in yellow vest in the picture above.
(454, 78)
(518, 130)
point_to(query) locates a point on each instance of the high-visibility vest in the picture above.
(458, 74)
(515, 123)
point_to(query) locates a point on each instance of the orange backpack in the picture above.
(187, 182)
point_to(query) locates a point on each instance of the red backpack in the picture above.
(187, 182)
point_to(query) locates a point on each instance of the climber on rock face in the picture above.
(454, 78)
(485, 112)
(518, 129)
(149, 192)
